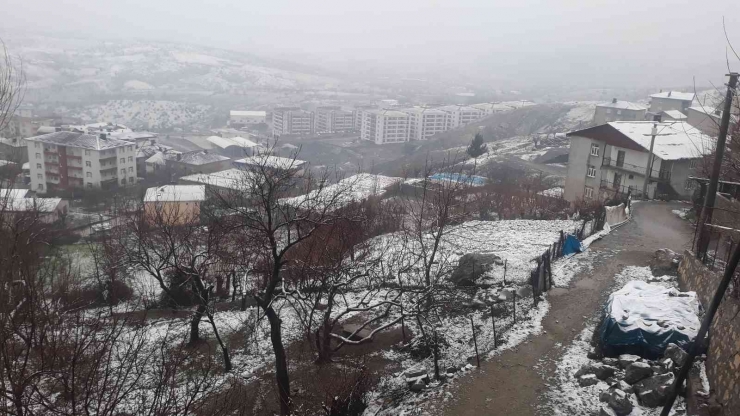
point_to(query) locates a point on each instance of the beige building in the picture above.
(332, 119)
(66, 160)
(671, 100)
(240, 118)
(461, 115)
(425, 122)
(292, 121)
(617, 110)
(174, 204)
(385, 126)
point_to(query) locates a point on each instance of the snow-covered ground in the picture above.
(147, 114)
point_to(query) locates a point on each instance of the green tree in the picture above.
(477, 146)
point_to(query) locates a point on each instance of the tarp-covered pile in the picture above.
(643, 318)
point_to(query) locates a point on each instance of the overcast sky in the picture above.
(600, 42)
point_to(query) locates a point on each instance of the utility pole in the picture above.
(649, 167)
(702, 241)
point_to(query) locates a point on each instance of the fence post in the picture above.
(549, 270)
(505, 263)
(493, 323)
(515, 307)
(475, 341)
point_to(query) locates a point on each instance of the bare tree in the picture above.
(12, 85)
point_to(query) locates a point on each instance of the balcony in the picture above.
(659, 175)
(74, 157)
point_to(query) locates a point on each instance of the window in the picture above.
(589, 192)
(38, 166)
(131, 169)
(88, 163)
(87, 153)
(692, 163)
(123, 181)
(88, 174)
(41, 186)
(38, 155)
(89, 185)
(131, 180)
(123, 160)
(620, 158)
(689, 185)
(594, 149)
(123, 171)
(591, 172)
(40, 176)
(130, 158)
(619, 112)
(631, 176)
(36, 145)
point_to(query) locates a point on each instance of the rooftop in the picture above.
(224, 142)
(227, 179)
(674, 114)
(623, 105)
(82, 140)
(675, 140)
(675, 95)
(246, 113)
(133, 135)
(14, 200)
(274, 162)
(13, 193)
(175, 193)
(197, 157)
(388, 113)
(458, 108)
(12, 142)
(352, 189)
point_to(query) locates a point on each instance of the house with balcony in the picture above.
(613, 159)
(618, 110)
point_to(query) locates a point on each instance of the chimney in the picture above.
(614, 100)
(657, 118)
(102, 136)
(669, 93)
(205, 152)
(179, 156)
(151, 142)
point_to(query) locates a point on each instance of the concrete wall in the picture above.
(603, 115)
(706, 123)
(579, 159)
(680, 172)
(723, 360)
(664, 104)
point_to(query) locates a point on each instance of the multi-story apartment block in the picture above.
(239, 118)
(613, 158)
(617, 110)
(385, 126)
(460, 115)
(425, 122)
(332, 119)
(66, 160)
(357, 115)
(292, 121)
(671, 100)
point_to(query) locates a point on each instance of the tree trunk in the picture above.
(281, 361)
(195, 324)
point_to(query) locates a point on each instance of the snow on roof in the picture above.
(13, 193)
(175, 193)
(133, 135)
(422, 110)
(388, 113)
(623, 105)
(449, 108)
(243, 113)
(556, 192)
(156, 159)
(26, 166)
(6, 162)
(12, 142)
(675, 95)
(197, 157)
(352, 189)
(81, 140)
(30, 204)
(224, 142)
(676, 140)
(227, 179)
(674, 114)
(274, 162)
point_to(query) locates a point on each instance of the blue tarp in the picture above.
(616, 340)
(571, 245)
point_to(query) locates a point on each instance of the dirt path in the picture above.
(513, 383)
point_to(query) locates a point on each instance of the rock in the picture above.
(524, 291)
(622, 385)
(601, 371)
(619, 401)
(417, 386)
(614, 362)
(666, 365)
(626, 359)
(472, 266)
(349, 329)
(665, 261)
(653, 391)
(636, 372)
(415, 372)
(592, 355)
(587, 380)
(676, 354)
(605, 410)
(452, 369)
(507, 293)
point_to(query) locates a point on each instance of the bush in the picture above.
(180, 293)
(350, 399)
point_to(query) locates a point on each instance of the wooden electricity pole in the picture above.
(702, 240)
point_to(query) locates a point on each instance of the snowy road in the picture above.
(515, 382)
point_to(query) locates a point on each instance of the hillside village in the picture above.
(384, 256)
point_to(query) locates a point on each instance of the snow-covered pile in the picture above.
(654, 309)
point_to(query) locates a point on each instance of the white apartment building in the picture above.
(460, 115)
(332, 119)
(613, 158)
(292, 121)
(425, 122)
(617, 110)
(357, 115)
(239, 118)
(671, 100)
(66, 160)
(385, 126)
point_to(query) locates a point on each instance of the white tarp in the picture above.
(616, 215)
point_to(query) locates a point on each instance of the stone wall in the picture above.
(723, 360)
